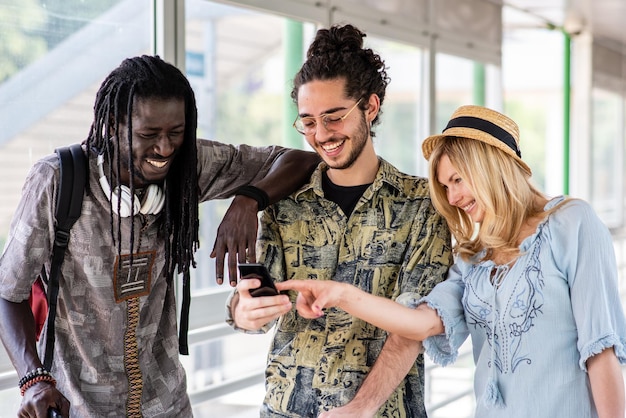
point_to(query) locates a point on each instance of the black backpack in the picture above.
(73, 177)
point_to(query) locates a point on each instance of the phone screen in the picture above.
(267, 287)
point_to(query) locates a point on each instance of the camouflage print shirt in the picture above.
(92, 334)
(393, 244)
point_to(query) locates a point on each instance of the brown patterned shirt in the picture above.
(394, 243)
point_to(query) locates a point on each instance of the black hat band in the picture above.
(487, 127)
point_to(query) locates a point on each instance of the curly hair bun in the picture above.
(338, 39)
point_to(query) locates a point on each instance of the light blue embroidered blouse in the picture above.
(555, 307)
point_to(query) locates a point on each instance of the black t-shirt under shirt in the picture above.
(345, 196)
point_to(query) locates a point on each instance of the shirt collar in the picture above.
(387, 174)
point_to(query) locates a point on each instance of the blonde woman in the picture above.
(535, 285)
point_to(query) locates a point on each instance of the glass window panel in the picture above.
(224, 359)
(606, 163)
(398, 135)
(532, 72)
(454, 86)
(242, 403)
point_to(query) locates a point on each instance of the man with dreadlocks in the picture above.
(116, 350)
(358, 220)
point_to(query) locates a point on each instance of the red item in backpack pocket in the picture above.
(38, 301)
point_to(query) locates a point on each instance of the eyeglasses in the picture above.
(331, 122)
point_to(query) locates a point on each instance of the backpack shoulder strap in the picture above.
(73, 177)
(73, 163)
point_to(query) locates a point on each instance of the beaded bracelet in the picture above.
(35, 376)
(261, 197)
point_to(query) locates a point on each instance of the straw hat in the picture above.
(481, 124)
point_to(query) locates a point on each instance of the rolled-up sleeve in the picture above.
(446, 299)
(30, 239)
(223, 168)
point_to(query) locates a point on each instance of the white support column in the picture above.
(169, 31)
(580, 138)
(428, 99)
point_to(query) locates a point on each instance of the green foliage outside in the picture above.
(258, 116)
(22, 23)
(532, 121)
(396, 137)
(30, 28)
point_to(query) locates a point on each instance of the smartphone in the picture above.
(267, 287)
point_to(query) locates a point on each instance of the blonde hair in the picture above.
(501, 186)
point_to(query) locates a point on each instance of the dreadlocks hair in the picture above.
(149, 77)
(338, 52)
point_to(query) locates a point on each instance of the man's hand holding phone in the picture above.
(258, 301)
(250, 270)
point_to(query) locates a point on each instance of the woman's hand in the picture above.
(315, 295)
(412, 323)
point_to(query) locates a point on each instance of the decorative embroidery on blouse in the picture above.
(508, 313)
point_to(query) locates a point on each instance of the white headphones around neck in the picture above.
(152, 203)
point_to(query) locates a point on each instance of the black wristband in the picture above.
(262, 199)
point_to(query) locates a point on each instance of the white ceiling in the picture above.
(605, 19)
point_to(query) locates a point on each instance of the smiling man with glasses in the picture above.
(359, 220)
